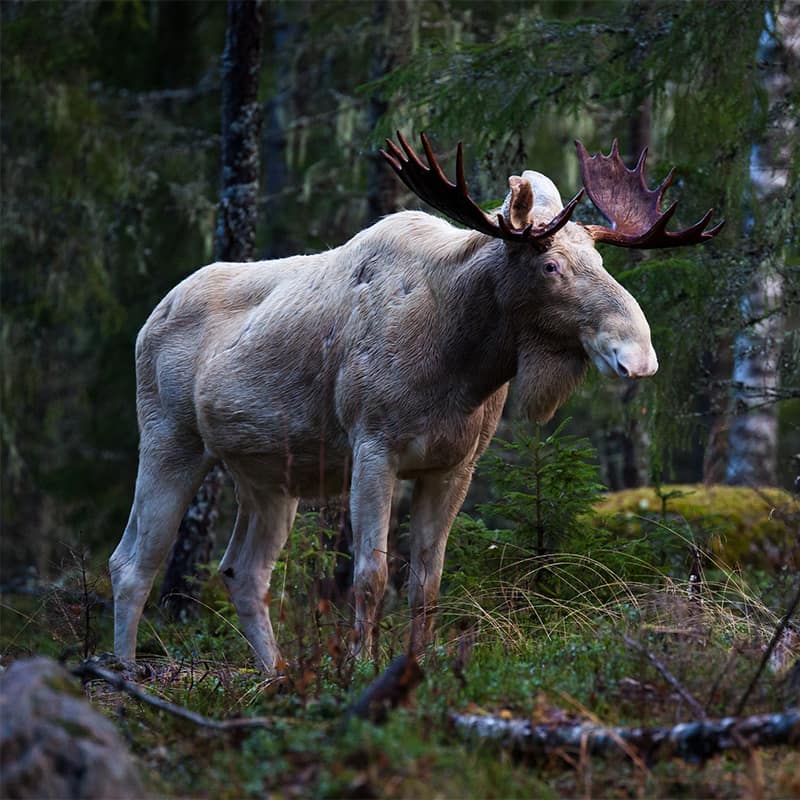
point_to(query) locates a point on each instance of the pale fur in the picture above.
(385, 358)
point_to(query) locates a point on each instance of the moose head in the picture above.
(557, 281)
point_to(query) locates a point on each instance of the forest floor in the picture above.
(498, 653)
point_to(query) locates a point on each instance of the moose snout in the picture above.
(634, 362)
(626, 358)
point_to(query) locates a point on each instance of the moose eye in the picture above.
(551, 267)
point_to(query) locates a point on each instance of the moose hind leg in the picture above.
(163, 491)
(436, 501)
(246, 568)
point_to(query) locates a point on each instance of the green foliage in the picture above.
(309, 558)
(542, 549)
(110, 173)
(104, 208)
(551, 651)
(543, 485)
(584, 672)
(683, 78)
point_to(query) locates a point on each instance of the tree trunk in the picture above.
(241, 128)
(234, 241)
(719, 369)
(631, 436)
(753, 437)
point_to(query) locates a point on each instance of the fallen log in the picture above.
(691, 741)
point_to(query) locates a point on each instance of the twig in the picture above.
(732, 656)
(668, 677)
(776, 637)
(89, 670)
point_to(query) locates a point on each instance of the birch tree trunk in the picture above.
(694, 741)
(234, 241)
(753, 436)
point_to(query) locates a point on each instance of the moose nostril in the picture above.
(622, 370)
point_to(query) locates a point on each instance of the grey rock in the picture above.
(53, 744)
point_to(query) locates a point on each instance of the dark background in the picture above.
(111, 174)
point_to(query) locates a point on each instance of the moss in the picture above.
(61, 682)
(757, 527)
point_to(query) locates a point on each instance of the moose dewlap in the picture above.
(388, 357)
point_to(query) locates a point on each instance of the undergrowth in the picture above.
(501, 650)
(532, 626)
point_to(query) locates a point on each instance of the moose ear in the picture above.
(519, 202)
(546, 195)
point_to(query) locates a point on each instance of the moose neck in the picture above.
(476, 349)
(488, 341)
(492, 339)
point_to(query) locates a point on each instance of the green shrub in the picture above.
(543, 486)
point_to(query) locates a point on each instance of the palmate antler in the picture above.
(453, 199)
(633, 210)
(621, 195)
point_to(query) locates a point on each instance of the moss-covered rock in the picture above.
(54, 744)
(754, 527)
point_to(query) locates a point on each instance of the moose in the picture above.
(386, 358)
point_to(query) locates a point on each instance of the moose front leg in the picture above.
(436, 501)
(370, 510)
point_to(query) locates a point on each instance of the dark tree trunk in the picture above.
(241, 129)
(234, 241)
(630, 440)
(715, 457)
(192, 550)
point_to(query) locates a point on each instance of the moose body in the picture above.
(388, 357)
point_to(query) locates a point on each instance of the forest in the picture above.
(618, 613)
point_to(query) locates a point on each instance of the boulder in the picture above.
(737, 524)
(53, 744)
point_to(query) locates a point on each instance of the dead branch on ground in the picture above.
(668, 677)
(691, 741)
(88, 671)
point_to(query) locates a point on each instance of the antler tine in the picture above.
(453, 199)
(510, 232)
(411, 156)
(563, 216)
(634, 210)
(434, 164)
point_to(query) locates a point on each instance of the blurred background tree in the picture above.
(111, 172)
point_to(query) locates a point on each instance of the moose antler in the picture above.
(453, 199)
(633, 210)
